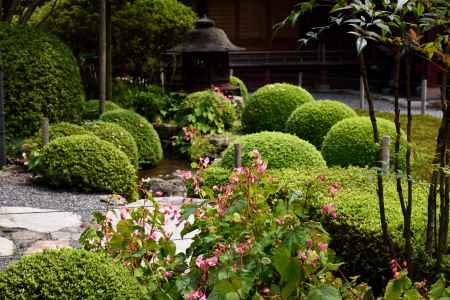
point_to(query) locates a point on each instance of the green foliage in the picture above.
(87, 163)
(117, 136)
(139, 238)
(210, 146)
(281, 150)
(207, 111)
(143, 30)
(91, 109)
(242, 87)
(147, 139)
(350, 142)
(271, 105)
(41, 78)
(312, 120)
(68, 274)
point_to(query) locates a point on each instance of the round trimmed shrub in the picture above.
(242, 87)
(41, 78)
(271, 105)
(68, 274)
(350, 142)
(87, 163)
(147, 139)
(207, 111)
(55, 131)
(279, 150)
(117, 136)
(312, 120)
(91, 109)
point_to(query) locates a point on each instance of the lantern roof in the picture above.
(206, 37)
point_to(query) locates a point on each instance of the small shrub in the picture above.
(117, 136)
(312, 120)
(350, 142)
(87, 163)
(281, 150)
(210, 146)
(271, 105)
(91, 109)
(68, 274)
(207, 111)
(147, 139)
(242, 87)
(41, 78)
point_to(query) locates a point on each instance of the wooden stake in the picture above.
(45, 135)
(237, 156)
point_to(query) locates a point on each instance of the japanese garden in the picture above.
(211, 149)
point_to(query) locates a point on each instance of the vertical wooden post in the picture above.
(231, 72)
(2, 117)
(300, 78)
(237, 156)
(385, 154)
(423, 97)
(102, 56)
(162, 78)
(362, 93)
(109, 76)
(45, 136)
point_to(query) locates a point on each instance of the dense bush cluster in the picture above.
(350, 142)
(68, 274)
(235, 81)
(207, 111)
(117, 136)
(147, 139)
(87, 163)
(41, 78)
(312, 120)
(281, 150)
(91, 109)
(270, 107)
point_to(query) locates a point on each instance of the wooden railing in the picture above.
(291, 58)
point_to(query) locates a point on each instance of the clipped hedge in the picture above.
(87, 163)
(242, 87)
(147, 139)
(271, 105)
(117, 136)
(208, 111)
(350, 142)
(91, 109)
(41, 78)
(68, 274)
(313, 120)
(280, 150)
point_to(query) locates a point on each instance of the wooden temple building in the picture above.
(271, 56)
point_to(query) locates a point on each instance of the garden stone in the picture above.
(7, 247)
(40, 246)
(170, 187)
(26, 235)
(41, 220)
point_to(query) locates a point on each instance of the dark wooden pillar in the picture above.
(109, 76)
(2, 117)
(102, 56)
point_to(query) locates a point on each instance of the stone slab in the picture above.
(7, 247)
(49, 244)
(35, 219)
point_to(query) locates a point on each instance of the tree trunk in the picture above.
(376, 139)
(109, 77)
(102, 50)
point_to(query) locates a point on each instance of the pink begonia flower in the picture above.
(204, 162)
(110, 217)
(322, 247)
(186, 175)
(124, 214)
(309, 244)
(153, 235)
(261, 168)
(329, 210)
(265, 290)
(159, 193)
(196, 295)
(168, 274)
(333, 189)
(212, 261)
(201, 263)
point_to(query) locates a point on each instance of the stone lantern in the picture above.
(205, 56)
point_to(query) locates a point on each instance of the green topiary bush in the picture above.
(350, 142)
(207, 111)
(312, 120)
(87, 163)
(68, 274)
(280, 150)
(271, 105)
(41, 78)
(91, 109)
(147, 139)
(117, 136)
(242, 87)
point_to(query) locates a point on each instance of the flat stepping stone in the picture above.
(40, 246)
(36, 219)
(7, 247)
